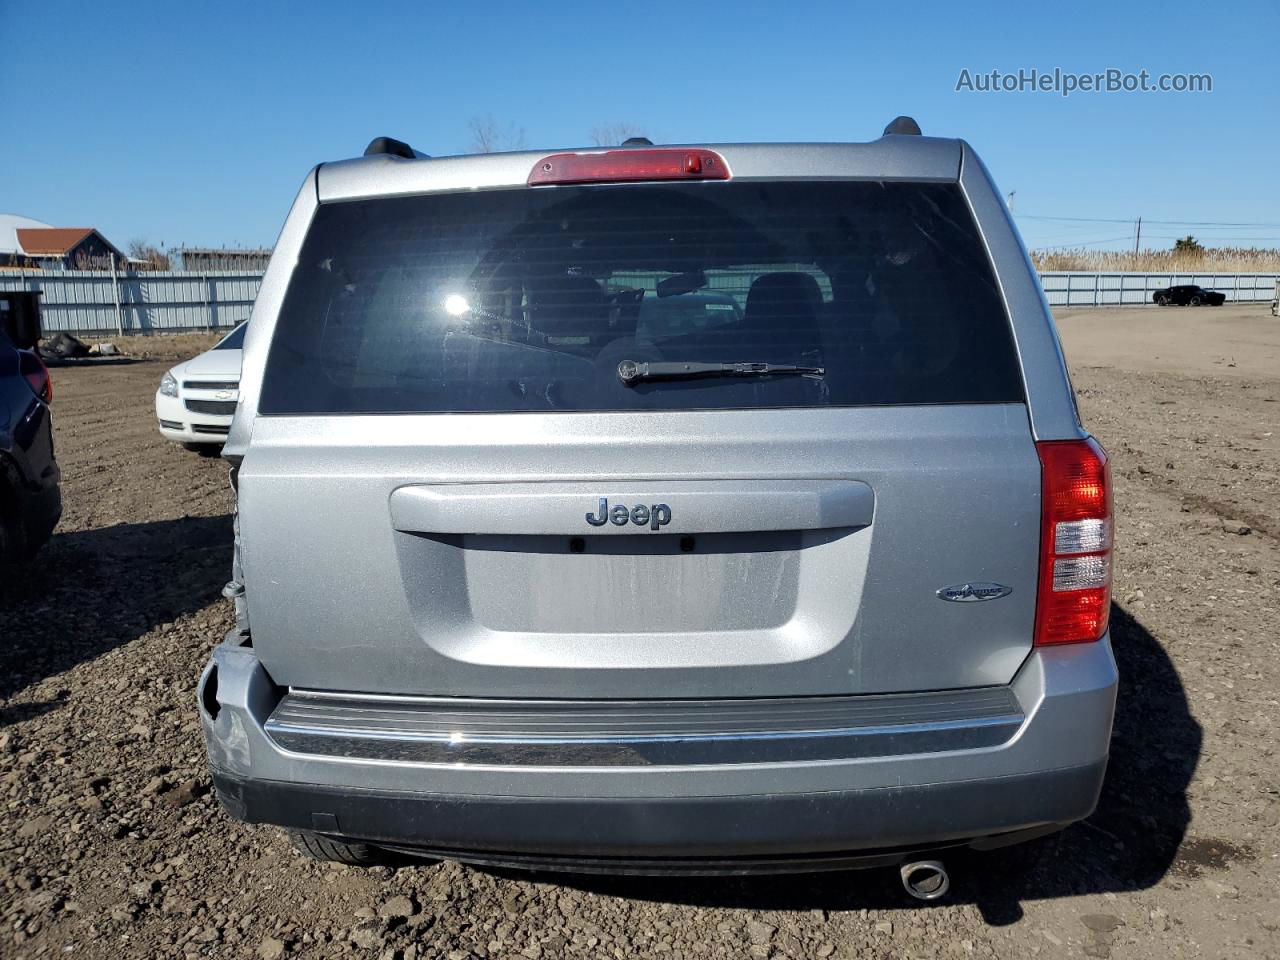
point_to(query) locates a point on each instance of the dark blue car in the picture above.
(30, 501)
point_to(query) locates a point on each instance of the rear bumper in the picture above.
(1046, 774)
(749, 833)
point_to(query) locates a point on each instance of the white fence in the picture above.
(1072, 289)
(95, 303)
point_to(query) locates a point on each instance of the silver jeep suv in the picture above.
(813, 573)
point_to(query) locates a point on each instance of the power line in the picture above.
(1028, 216)
(1209, 223)
(1218, 239)
(1164, 223)
(1068, 239)
(1063, 241)
(1217, 229)
(1084, 243)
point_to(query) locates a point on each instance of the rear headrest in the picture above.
(792, 296)
(567, 306)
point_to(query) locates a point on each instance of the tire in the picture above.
(328, 849)
(1196, 301)
(1161, 300)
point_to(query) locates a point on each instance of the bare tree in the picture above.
(488, 137)
(153, 256)
(613, 134)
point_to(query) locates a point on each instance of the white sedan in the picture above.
(197, 398)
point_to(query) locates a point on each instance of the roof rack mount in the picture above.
(392, 147)
(903, 127)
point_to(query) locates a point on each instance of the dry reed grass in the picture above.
(1209, 260)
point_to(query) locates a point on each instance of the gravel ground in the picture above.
(111, 844)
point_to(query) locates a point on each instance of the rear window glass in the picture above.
(529, 299)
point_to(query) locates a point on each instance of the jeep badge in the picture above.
(657, 515)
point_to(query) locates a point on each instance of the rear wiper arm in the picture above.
(634, 371)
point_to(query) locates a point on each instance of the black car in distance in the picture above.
(1188, 295)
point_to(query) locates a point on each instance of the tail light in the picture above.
(1074, 600)
(621, 166)
(37, 374)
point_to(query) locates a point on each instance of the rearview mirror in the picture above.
(20, 318)
(682, 283)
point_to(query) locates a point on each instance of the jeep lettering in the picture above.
(656, 516)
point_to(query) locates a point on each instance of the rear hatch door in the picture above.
(451, 491)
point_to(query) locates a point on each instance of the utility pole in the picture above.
(1137, 236)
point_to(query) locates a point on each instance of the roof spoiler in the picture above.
(392, 147)
(903, 127)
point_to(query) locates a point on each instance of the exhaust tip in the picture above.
(925, 879)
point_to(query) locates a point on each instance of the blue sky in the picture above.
(194, 123)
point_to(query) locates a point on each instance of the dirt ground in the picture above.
(1226, 341)
(111, 844)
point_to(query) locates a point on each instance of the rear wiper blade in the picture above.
(634, 371)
